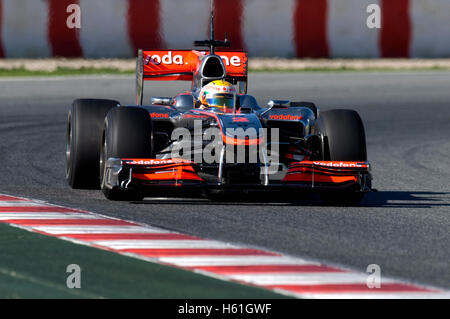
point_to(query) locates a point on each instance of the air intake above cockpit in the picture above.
(212, 68)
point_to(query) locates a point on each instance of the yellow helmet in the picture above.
(219, 94)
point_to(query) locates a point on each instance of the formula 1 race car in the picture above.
(214, 137)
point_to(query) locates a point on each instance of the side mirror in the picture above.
(242, 87)
(161, 100)
(278, 103)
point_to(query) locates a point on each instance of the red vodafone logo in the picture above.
(234, 60)
(159, 115)
(285, 117)
(340, 164)
(168, 59)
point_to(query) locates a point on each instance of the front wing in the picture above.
(146, 174)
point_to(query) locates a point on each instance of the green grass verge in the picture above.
(34, 266)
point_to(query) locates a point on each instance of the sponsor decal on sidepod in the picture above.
(155, 161)
(158, 115)
(340, 164)
(285, 117)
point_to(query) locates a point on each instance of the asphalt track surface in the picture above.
(404, 227)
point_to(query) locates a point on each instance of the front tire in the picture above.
(127, 134)
(344, 139)
(83, 141)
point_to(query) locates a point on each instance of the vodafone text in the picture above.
(339, 164)
(285, 117)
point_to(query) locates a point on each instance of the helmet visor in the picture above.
(221, 100)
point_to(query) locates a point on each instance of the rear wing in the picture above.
(181, 65)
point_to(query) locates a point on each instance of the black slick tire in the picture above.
(83, 141)
(127, 134)
(344, 139)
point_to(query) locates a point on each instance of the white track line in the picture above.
(233, 261)
(301, 278)
(86, 229)
(156, 244)
(19, 203)
(44, 215)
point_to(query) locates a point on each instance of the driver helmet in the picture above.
(219, 94)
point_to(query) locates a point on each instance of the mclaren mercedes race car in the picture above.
(213, 137)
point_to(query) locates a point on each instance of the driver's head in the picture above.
(219, 94)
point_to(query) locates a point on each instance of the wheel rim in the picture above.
(102, 161)
(68, 146)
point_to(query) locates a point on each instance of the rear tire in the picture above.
(83, 141)
(344, 139)
(127, 134)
